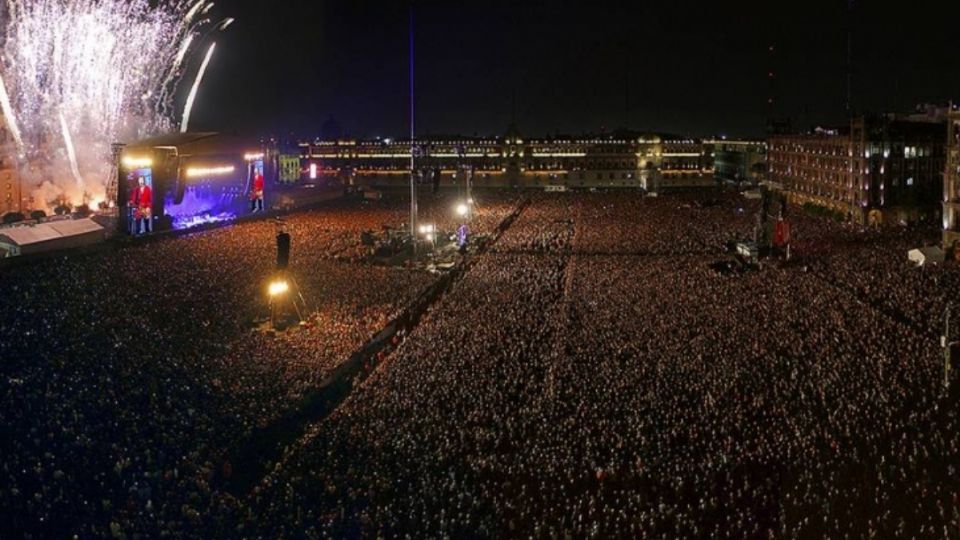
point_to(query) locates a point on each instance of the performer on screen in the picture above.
(141, 201)
(256, 195)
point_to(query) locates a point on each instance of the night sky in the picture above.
(697, 68)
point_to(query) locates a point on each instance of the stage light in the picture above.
(278, 287)
(194, 172)
(426, 229)
(137, 162)
(462, 209)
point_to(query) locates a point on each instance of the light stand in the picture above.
(283, 290)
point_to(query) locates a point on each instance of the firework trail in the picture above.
(193, 91)
(78, 75)
(11, 120)
(71, 152)
(171, 84)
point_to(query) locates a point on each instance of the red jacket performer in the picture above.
(142, 200)
(256, 195)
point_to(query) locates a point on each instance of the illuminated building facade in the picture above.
(290, 168)
(685, 163)
(738, 162)
(877, 169)
(641, 161)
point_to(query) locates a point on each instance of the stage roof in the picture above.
(197, 143)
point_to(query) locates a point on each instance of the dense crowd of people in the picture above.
(622, 387)
(128, 375)
(590, 375)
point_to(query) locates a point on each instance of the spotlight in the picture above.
(462, 209)
(137, 162)
(278, 287)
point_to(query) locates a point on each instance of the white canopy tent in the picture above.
(50, 236)
(925, 255)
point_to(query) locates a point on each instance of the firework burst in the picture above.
(81, 74)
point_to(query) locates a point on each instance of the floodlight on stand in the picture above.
(278, 287)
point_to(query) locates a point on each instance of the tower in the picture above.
(951, 183)
(11, 199)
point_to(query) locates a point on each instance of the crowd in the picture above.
(127, 376)
(841, 253)
(621, 387)
(590, 375)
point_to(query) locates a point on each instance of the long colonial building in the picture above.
(876, 169)
(650, 162)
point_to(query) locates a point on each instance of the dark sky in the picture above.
(697, 68)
